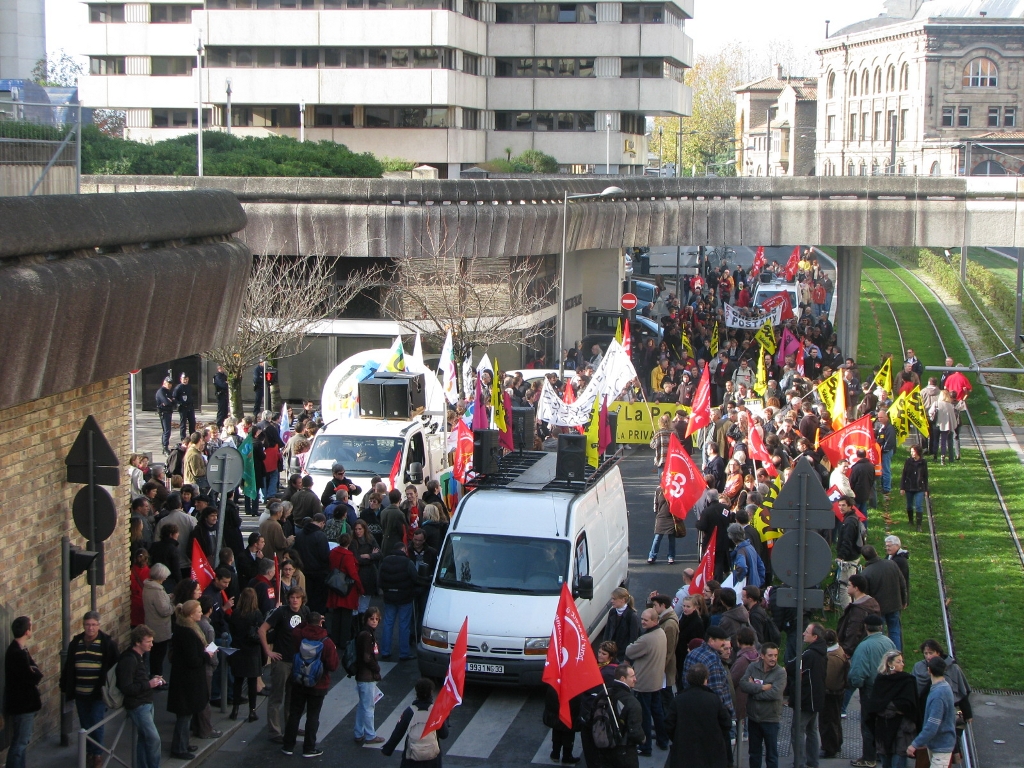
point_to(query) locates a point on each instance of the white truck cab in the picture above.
(767, 290)
(514, 540)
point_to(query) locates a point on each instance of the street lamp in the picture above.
(199, 106)
(608, 144)
(560, 316)
(227, 90)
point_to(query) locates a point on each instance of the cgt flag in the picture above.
(681, 480)
(844, 443)
(883, 378)
(201, 570)
(571, 667)
(793, 265)
(706, 570)
(463, 461)
(450, 695)
(700, 416)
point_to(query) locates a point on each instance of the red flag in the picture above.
(505, 436)
(700, 416)
(201, 570)
(463, 464)
(681, 480)
(759, 262)
(481, 420)
(571, 667)
(781, 299)
(706, 570)
(569, 397)
(756, 445)
(834, 495)
(450, 695)
(793, 264)
(395, 469)
(844, 443)
(627, 339)
(800, 360)
(604, 430)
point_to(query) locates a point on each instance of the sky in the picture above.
(716, 23)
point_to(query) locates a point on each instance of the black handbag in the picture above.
(339, 582)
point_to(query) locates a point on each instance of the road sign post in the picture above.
(224, 473)
(801, 557)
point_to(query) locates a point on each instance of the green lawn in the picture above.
(1001, 267)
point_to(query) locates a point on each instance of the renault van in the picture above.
(514, 540)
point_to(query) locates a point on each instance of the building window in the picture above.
(178, 118)
(890, 79)
(470, 64)
(877, 134)
(947, 117)
(544, 121)
(286, 116)
(406, 117)
(830, 90)
(470, 119)
(863, 169)
(865, 127)
(936, 169)
(993, 117)
(864, 83)
(849, 168)
(163, 13)
(963, 117)
(106, 65)
(632, 123)
(889, 117)
(651, 68)
(106, 14)
(1009, 117)
(830, 131)
(329, 58)
(878, 80)
(471, 8)
(167, 66)
(853, 84)
(904, 115)
(852, 129)
(545, 13)
(905, 78)
(333, 116)
(546, 67)
(643, 13)
(981, 73)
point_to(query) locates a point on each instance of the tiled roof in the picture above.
(775, 84)
(994, 136)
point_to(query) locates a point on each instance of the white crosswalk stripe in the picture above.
(489, 724)
(385, 729)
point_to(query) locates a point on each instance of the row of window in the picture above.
(584, 13)
(979, 73)
(960, 117)
(870, 126)
(579, 67)
(330, 58)
(159, 13)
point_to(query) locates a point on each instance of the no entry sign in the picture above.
(628, 301)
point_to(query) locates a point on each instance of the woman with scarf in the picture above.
(891, 711)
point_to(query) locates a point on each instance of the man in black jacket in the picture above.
(338, 480)
(90, 655)
(136, 685)
(812, 694)
(887, 585)
(848, 545)
(885, 436)
(164, 409)
(862, 480)
(21, 691)
(220, 388)
(398, 581)
(629, 714)
(185, 399)
(313, 548)
(716, 517)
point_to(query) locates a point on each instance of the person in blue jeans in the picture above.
(90, 655)
(21, 691)
(136, 685)
(664, 526)
(399, 582)
(367, 677)
(764, 682)
(885, 434)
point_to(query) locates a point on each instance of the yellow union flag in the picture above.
(594, 434)
(915, 411)
(714, 341)
(899, 418)
(761, 382)
(687, 345)
(766, 338)
(883, 378)
(827, 391)
(498, 400)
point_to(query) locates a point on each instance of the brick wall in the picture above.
(35, 511)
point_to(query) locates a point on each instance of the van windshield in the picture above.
(509, 564)
(360, 455)
(767, 293)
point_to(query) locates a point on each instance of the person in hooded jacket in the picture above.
(310, 699)
(914, 484)
(892, 710)
(341, 606)
(746, 563)
(895, 552)
(314, 551)
(411, 724)
(205, 533)
(698, 724)
(812, 692)
(623, 625)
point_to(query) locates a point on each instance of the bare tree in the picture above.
(285, 296)
(482, 300)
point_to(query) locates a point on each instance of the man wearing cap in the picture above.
(939, 731)
(863, 669)
(164, 408)
(338, 480)
(184, 398)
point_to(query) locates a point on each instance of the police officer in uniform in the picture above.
(185, 400)
(220, 387)
(257, 386)
(165, 407)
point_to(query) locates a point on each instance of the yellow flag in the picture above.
(915, 411)
(827, 390)
(766, 337)
(883, 378)
(618, 330)
(687, 346)
(396, 357)
(899, 418)
(761, 382)
(594, 434)
(838, 409)
(498, 400)
(714, 341)
(762, 519)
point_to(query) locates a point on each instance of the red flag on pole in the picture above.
(793, 265)
(396, 467)
(463, 463)
(604, 430)
(505, 435)
(700, 416)
(571, 667)
(800, 360)
(844, 443)
(201, 570)
(450, 695)
(758, 452)
(627, 338)
(681, 480)
(706, 570)
(759, 262)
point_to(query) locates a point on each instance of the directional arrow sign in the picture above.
(104, 461)
(803, 488)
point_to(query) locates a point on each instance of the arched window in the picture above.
(853, 84)
(905, 78)
(830, 90)
(849, 168)
(863, 168)
(901, 169)
(890, 79)
(864, 82)
(981, 73)
(988, 168)
(878, 80)
(874, 167)
(936, 169)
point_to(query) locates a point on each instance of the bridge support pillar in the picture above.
(848, 267)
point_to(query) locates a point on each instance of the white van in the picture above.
(768, 290)
(514, 540)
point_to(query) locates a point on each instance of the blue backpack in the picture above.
(308, 666)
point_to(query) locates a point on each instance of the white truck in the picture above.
(369, 446)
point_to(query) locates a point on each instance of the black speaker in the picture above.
(572, 457)
(485, 451)
(524, 428)
(765, 277)
(371, 399)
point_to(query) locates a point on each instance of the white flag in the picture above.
(415, 364)
(612, 376)
(446, 367)
(484, 365)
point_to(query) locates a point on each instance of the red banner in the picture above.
(681, 480)
(463, 463)
(627, 338)
(604, 430)
(756, 445)
(759, 262)
(793, 265)
(450, 695)
(571, 667)
(202, 571)
(845, 443)
(706, 570)
(700, 416)
(834, 495)
(780, 299)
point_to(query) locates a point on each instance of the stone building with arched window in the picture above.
(937, 83)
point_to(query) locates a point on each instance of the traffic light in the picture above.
(271, 375)
(79, 560)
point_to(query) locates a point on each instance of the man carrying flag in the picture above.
(571, 667)
(681, 480)
(706, 569)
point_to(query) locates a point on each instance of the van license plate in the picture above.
(492, 669)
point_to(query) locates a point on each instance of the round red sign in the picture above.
(628, 301)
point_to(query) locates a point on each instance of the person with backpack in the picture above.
(315, 658)
(90, 656)
(247, 662)
(746, 563)
(698, 724)
(281, 622)
(621, 728)
(419, 751)
(341, 605)
(366, 670)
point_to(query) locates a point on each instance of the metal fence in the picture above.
(40, 148)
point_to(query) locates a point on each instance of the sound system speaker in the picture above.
(524, 428)
(392, 395)
(485, 451)
(572, 458)
(765, 277)
(371, 399)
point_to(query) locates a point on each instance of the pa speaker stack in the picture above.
(572, 458)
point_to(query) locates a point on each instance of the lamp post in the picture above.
(199, 105)
(608, 144)
(227, 90)
(661, 149)
(560, 316)
(302, 121)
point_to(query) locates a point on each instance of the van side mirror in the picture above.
(585, 587)
(415, 473)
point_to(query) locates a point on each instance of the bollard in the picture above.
(83, 739)
(223, 681)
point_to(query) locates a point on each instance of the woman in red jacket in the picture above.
(341, 606)
(140, 572)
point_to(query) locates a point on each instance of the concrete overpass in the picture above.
(507, 218)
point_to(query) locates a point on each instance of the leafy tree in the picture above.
(58, 69)
(530, 161)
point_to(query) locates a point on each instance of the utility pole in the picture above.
(199, 105)
(963, 249)
(893, 123)
(227, 90)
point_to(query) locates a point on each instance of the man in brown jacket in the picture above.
(669, 623)
(831, 724)
(274, 540)
(647, 655)
(851, 626)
